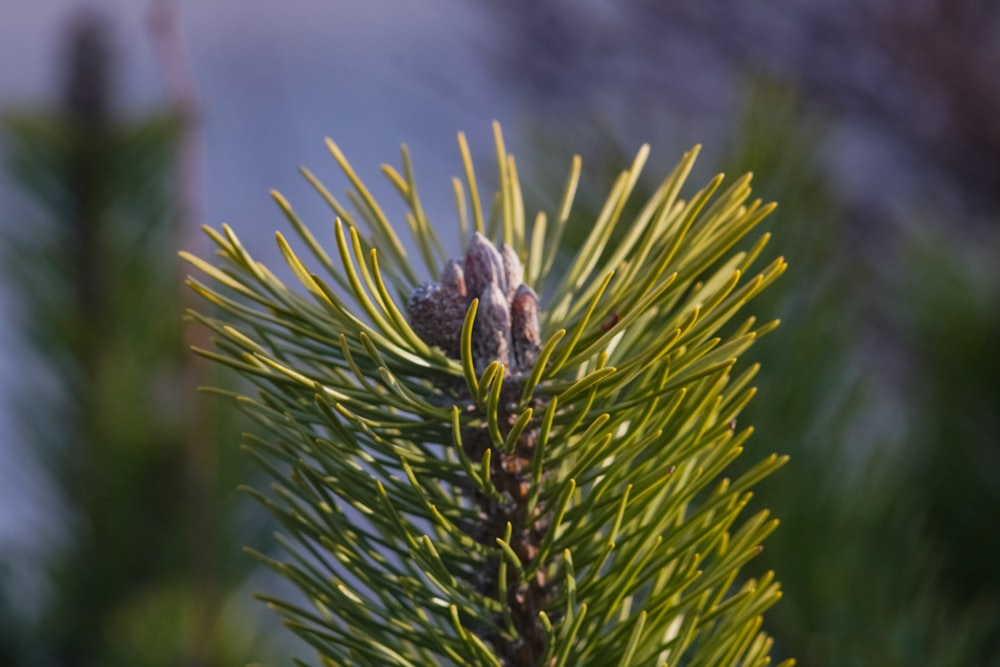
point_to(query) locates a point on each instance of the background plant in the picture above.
(147, 563)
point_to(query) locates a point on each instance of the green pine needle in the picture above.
(571, 511)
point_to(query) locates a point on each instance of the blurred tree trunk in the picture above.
(144, 576)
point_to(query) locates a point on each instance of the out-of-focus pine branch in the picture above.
(88, 260)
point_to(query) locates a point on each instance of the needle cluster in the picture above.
(509, 465)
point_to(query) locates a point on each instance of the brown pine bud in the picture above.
(436, 314)
(483, 266)
(453, 277)
(491, 330)
(513, 270)
(524, 328)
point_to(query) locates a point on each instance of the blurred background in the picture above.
(125, 125)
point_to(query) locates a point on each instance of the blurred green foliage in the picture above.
(150, 551)
(883, 388)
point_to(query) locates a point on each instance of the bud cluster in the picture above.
(506, 325)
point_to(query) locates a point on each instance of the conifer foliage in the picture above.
(521, 461)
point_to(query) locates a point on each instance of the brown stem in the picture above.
(510, 474)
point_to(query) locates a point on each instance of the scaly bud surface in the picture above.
(483, 266)
(453, 277)
(506, 327)
(491, 331)
(513, 271)
(436, 314)
(524, 329)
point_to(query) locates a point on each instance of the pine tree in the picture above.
(468, 472)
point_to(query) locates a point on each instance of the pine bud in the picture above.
(524, 328)
(453, 277)
(483, 266)
(491, 330)
(513, 270)
(506, 327)
(436, 315)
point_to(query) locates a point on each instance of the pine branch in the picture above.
(484, 475)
